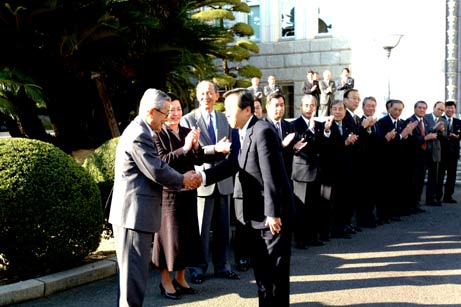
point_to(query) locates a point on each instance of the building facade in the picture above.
(295, 36)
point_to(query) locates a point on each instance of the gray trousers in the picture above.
(133, 250)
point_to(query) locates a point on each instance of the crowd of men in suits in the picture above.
(352, 172)
(312, 178)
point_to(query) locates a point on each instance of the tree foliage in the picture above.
(235, 50)
(61, 45)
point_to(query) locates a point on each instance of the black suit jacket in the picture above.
(287, 151)
(265, 186)
(453, 144)
(306, 161)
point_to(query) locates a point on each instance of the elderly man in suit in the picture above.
(136, 203)
(267, 197)
(212, 200)
(309, 219)
(435, 172)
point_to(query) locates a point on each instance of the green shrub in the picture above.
(50, 209)
(100, 166)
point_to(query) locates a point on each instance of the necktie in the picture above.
(279, 130)
(449, 125)
(211, 130)
(395, 125)
(423, 133)
(340, 128)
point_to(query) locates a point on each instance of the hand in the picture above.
(287, 140)
(328, 123)
(351, 139)
(409, 129)
(196, 132)
(438, 126)
(274, 223)
(391, 135)
(368, 122)
(192, 180)
(300, 145)
(223, 146)
(189, 141)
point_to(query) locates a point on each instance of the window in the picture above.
(254, 20)
(287, 21)
(325, 12)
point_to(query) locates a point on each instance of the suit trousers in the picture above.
(271, 266)
(451, 166)
(214, 214)
(133, 250)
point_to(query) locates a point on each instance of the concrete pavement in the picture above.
(415, 262)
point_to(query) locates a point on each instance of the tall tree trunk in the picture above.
(110, 116)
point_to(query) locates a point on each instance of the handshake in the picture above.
(192, 180)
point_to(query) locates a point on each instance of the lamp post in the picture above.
(390, 42)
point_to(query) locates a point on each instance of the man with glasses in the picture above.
(135, 213)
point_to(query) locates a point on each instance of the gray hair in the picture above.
(152, 99)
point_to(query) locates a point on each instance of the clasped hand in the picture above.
(192, 180)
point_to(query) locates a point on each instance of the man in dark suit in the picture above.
(394, 133)
(451, 154)
(267, 196)
(310, 218)
(275, 107)
(311, 87)
(213, 200)
(418, 153)
(136, 203)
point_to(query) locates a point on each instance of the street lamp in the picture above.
(390, 42)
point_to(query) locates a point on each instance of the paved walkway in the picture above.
(415, 262)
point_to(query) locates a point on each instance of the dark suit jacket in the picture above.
(307, 89)
(306, 161)
(453, 145)
(139, 176)
(287, 151)
(266, 189)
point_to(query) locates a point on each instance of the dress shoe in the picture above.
(348, 229)
(450, 201)
(197, 278)
(182, 289)
(395, 219)
(226, 274)
(172, 296)
(243, 265)
(324, 237)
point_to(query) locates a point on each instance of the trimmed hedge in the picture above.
(50, 209)
(101, 165)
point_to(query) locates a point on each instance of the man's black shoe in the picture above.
(450, 201)
(227, 274)
(243, 265)
(197, 278)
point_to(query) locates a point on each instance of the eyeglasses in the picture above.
(164, 114)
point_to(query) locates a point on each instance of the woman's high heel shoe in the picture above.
(172, 296)
(182, 289)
